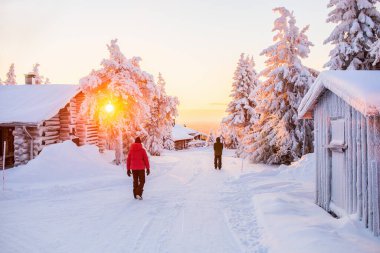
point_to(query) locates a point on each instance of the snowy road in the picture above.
(74, 200)
(185, 209)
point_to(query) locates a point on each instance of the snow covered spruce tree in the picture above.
(118, 97)
(159, 126)
(375, 52)
(240, 108)
(278, 136)
(210, 139)
(11, 76)
(38, 78)
(358, 26)
(228, 137)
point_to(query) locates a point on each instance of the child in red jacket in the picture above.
(137, 162)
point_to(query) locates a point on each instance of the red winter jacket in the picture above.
(137, 158)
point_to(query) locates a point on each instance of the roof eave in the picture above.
(16, 124)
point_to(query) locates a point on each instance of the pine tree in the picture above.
(11, 76)
(279, 136)
(159, 127)
(38, 79)
(169, 142)
(210, 139)
(358, 26)
(229, 138)
(120, 83)
(170, 112)
(375, 52)
(240, 109)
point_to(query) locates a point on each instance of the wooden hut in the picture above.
(35, 116)
(345, 106)
(181, 137)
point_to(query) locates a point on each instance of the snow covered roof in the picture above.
(358, 88)
(32, 104)
(181, 133)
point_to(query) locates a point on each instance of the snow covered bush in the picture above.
(240, 109)
(358, 26)
(277, 135)
(124, 87)
(160, 124)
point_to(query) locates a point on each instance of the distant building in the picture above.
(182, 136)
(35, 116)
(345, 106)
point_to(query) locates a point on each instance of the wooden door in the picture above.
(337, 146)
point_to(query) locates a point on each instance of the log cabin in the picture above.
(345, 106)
(35, 116)
(182, 136)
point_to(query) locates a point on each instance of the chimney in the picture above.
(30, 78)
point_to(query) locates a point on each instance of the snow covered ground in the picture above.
(72, 199)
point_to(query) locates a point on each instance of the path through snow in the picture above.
(186, 208)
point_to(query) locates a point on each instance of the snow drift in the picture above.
(61, 164)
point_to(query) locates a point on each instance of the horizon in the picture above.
(197, 56)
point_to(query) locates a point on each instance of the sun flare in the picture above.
(110, 107)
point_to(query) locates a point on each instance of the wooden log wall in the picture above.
(65, 123)
(362, 160)
(51, 130)
(22, 144)
(85, 129)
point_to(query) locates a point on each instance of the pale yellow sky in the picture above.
(194, 44)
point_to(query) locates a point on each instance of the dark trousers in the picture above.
(138, 182)
(218, 161)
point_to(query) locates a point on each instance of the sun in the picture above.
(109, 107)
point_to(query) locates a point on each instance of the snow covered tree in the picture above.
(159, 126)
(358, 26)
(118, 97)
(38, 79)
(229, 138)
(210, 139)
(240, 109)
(278, 136)
(375, 52)
(11, 76)
(169, 142)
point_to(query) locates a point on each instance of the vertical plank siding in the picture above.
(361, 179)
(364, 183)
(376, 179)
(369, 170)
